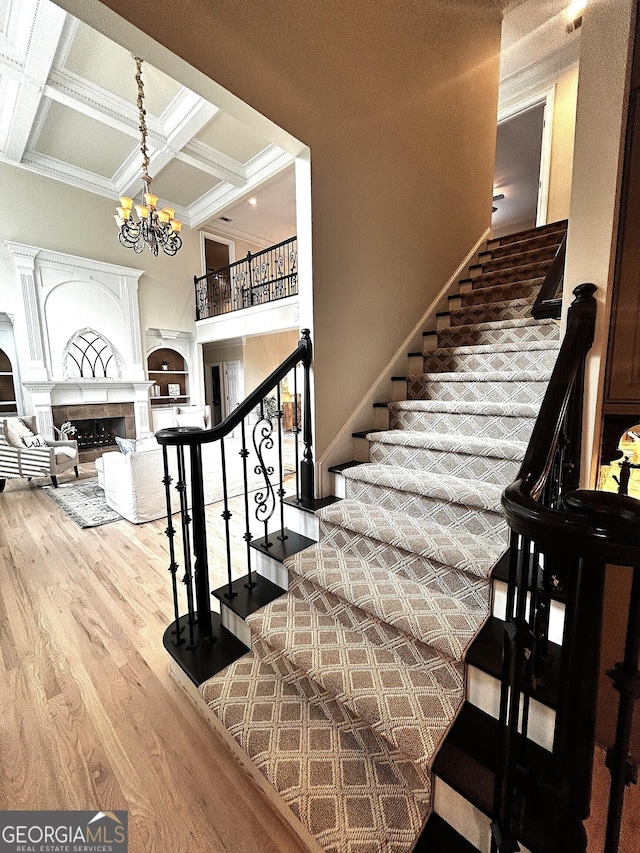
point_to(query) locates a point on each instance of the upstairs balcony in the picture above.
(263, 277)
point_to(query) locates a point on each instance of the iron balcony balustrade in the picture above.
(255, 280)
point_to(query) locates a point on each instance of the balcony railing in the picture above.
(259, 278)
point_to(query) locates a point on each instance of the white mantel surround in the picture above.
(60, 295)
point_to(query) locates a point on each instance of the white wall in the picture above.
(51, 215)
(397, 103)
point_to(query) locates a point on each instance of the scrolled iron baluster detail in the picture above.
(265, 499)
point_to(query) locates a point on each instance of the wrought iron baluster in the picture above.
(264, 498)
(307, 471)
(280, 492)
(248, 535)
(185, 519)
(296, 432)
(201, 567)
(226, 515)
(170, 532)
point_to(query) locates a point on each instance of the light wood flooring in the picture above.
(89, 718)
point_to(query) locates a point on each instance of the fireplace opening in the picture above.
(98, 432)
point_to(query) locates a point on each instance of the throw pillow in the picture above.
(126, 445)
(147, 443)
(14, 431)
(191, 420)
(34, 440)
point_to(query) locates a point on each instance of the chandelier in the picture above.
(153, 228)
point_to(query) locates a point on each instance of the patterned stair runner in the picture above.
(357, 673)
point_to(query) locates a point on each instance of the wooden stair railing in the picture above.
(190, 638)
(563, 537)
(547, 304)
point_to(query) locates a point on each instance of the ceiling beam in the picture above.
(39, 37)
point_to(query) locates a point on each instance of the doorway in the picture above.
(521, 171)
(216, 394)
(216, 254)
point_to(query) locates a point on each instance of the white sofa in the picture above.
(132, 482)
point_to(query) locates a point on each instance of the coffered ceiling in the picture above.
(68, 112)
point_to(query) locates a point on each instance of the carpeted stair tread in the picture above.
(445, 487)
(511, 421)
(526, 355)
(516, 386)
(526, 289)
(349, 797)
(510, 275)
(410, 706)
(465, 552)
(444, 622)
(474, 407)
(500, 331)
(473, 349)
(503, 309)
(507, 261)
(465, 445)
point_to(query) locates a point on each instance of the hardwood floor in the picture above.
(89, 718)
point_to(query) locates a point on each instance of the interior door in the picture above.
(232, 385)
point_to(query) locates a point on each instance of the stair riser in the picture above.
(411, 566)
(300, 521)
(447, 423)
(525, 392)
(489, 313)
(483, 691)
(487, 469)
(471, 362)
(501, 293)
(453, 337)
(464, 817)
(472, 519)
(556, 611)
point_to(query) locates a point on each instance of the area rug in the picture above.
(83, 502)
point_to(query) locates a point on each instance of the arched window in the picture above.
(88, 355)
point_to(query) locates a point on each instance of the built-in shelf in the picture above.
(174, 374)
(8, 404)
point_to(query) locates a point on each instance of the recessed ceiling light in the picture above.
(253, 201)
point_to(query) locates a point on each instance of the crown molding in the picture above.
(267, 164)
(536, 77)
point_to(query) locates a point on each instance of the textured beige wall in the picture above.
(397, 102)
(263, 353)
(33, 214)
(561, 167)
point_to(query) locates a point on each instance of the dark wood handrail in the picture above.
(582, 527)
(194, 436)
(546, 305)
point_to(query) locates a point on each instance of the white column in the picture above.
(28, 327)
(40, 393)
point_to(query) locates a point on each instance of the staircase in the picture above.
(369, 697)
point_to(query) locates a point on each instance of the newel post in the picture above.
(307, 486)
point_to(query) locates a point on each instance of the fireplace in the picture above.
(98, 425)
(98, 432)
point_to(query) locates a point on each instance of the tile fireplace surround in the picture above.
(97, 411)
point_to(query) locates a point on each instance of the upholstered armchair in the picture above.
(23, 453)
